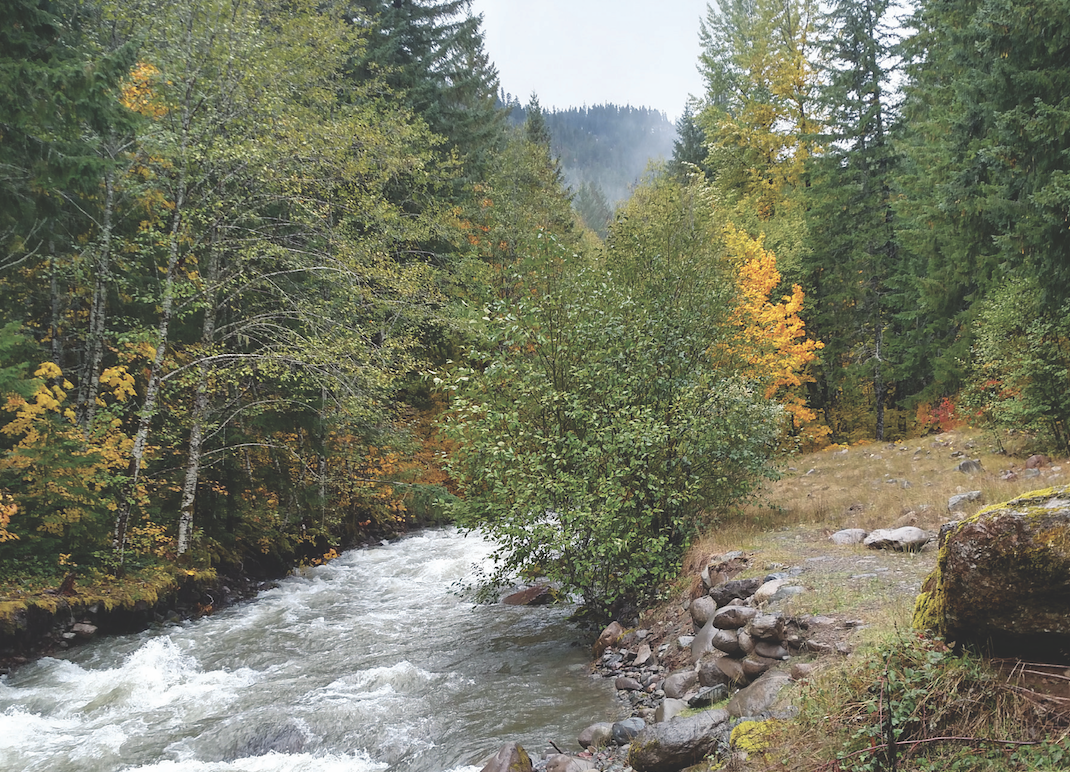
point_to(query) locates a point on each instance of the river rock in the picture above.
(703, 642)
(679, 743)
(970, 466)
(625, 731)
(669, 708)
(736, 589)
(1001, 578)
(1037, 461)
(561, 762)
(643, 656)
(746, 641)
(510, 758)
(759, 697)
(678, 684)
(958, 503)
(766, 627)
(538, 595)
(84, 630)
(754, 666)
(726, 641)
(702, 609)
(733, 617)
(770, 650)
(731, 670)
(905, 539)
(609, 637)
(596, 735)
(848, 536)
(625, 684)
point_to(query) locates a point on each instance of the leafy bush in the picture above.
(594, 428)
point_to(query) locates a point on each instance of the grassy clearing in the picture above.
(886, 705)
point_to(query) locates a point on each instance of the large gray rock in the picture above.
(596, 735)
(759, 697)
(959, 502)
(625, 731)
(905, 539)
(643, 656)
(679, 743)
(609, 637)
(970, 466)
(733, 617)
(510, 758)
(702, 609)
(848, 536)
(1002, 578)
(726, 641)
(736, 589)
(561, 762)
(767, 627)
(678, 684)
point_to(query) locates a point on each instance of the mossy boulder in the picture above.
(1002, 578)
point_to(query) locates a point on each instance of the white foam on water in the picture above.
(273, 762)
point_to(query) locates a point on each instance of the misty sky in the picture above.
(577, 52)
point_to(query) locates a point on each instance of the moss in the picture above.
(752, 736)
(1043, 556)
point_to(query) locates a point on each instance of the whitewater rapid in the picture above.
(375, 661)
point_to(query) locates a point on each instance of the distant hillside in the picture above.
(606, 146)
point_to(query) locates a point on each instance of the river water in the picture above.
(372, 662)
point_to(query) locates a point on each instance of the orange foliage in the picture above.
(769, 334)
(7, 511)
(138, 94)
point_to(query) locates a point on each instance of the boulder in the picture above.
(733, 617)
(679, 743)
(959, 502)
(765, 593)
(84, 630)
(848, 536)
(970, 466)
(731, 670)
(1001, 578)
(766, 627)
(511, 758)
(726, 641)
(702, 609)
(759, 697)
(625, 731)
(561, 762)
(746, 641)
(609, 637)
(906, 539)
(625, 684)
(538, 595)
(1037, 461)
(644, 656)
(678, 684)
(739, 588)
(754, 666)
(596, 735)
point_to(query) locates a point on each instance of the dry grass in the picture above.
(821, 493)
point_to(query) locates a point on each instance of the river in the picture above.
(372, 662)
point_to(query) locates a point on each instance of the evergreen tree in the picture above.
(854, 264)
(689, 148)
(430, 53)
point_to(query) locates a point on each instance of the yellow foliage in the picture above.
(769, 334)
(8, 508)
(138, 93)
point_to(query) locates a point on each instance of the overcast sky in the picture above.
(577, 52)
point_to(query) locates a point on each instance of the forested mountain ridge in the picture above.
(604, 149)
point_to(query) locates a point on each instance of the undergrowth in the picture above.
(914, 704)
